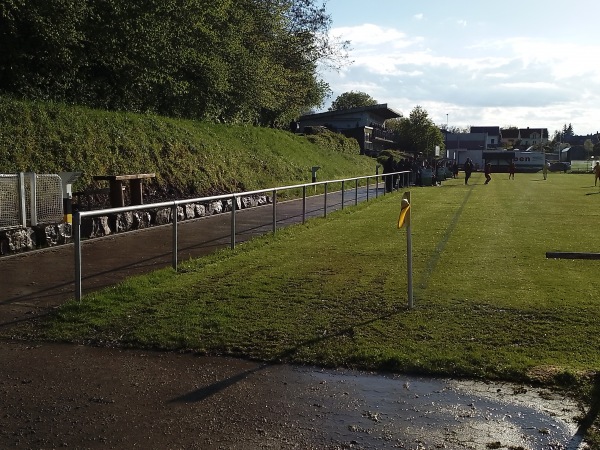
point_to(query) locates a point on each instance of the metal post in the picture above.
(274, 210)
(304, 204)
(174, 250)
(376, 179)
(356, 192)
(22, 200)
(77, 253)
(32, 199)
(368, 190)
(325, 204)
(409, 255)
(409, 265)
(342, 194)
(233, 210)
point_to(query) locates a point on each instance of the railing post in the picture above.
(376, 186)
(342, 194)
(77, 253)
(356, 192)
(33, 221)
(22, 199)
(367, 189)
(304, 204)
(274, 210)
(325, 197)
(233, 210)
(174, 250)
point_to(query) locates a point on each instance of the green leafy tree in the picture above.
(41, 44)
(588, 145)
(418, 133)
(352, 99)
(252, 61)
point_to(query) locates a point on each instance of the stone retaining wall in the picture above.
(31, 238)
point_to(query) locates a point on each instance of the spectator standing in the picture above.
(468, 170)
(388, 168)
(596, 173)
(511, 170)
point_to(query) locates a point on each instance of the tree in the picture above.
(251, 61)
(352, 99)
(418, 133)
(588, 145)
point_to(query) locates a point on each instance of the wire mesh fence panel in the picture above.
(9, 202)
(48, 198)
(47, 206)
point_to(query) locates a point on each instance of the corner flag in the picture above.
(404, 211)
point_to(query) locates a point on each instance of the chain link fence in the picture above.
(29, 199)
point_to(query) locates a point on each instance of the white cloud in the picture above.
(514, 80)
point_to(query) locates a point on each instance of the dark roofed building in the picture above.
(365, 124)
(493, 135)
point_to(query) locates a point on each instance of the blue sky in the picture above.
(527, 63)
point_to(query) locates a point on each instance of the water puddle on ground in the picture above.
(380, 412)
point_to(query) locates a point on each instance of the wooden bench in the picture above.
(117, 199)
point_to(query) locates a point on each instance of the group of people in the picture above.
(423, 172)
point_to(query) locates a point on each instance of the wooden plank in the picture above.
(573, 255)
(136, 176)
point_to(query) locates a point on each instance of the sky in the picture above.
(527, 63)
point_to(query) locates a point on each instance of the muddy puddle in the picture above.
(370, 411)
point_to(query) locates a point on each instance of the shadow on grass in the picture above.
(435, 257)
(207, 391)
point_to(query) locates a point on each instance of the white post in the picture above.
(409, 257)
(404, 219)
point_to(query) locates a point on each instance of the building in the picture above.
(460, 146)
(493, 135)
(523, 138)
(366, 124)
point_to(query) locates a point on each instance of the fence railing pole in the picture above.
(233, 210)
(174, 250)
(356, 192)
(77, 253)
(304, 204)
(325, 201)
(342, 194)
(274, 210)
(22, 199)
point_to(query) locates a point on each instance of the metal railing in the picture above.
(402, 177)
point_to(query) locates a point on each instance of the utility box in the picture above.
(314, 173)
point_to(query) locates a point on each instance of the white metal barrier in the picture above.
(29, 199)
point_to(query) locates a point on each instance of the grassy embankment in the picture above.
(189, 158)
(332, 292)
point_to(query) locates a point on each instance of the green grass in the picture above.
(189, 158)
(487, 302)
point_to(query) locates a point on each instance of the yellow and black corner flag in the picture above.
(404, 211)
